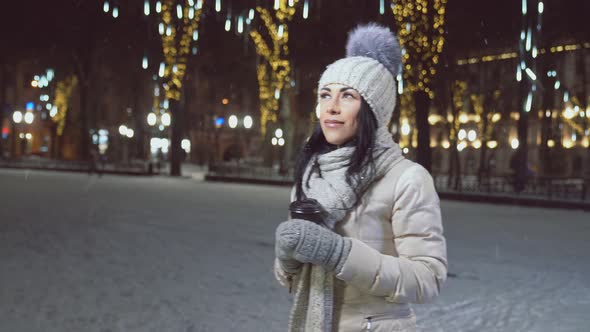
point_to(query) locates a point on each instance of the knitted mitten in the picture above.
(286, 260)
(308, 242)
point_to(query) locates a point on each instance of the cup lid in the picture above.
(305, 206)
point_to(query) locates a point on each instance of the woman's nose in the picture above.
(333, 107)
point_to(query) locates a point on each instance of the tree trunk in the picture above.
(424, 152)
(547, 103)
(176, 137)
(3, 81)
(83, 147)
(483, 163)
(522, 152)
(139, 117)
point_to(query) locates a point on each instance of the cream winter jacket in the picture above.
(398, 253)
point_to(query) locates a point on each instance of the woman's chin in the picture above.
(337, 141)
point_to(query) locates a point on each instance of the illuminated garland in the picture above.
(275, 69)
(176, 50)
(407, 109)
(459, 88)
(570, 115)
(421, 39)
(477, 101)
(512, 55)
(63, 92)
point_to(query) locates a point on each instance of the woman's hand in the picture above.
(307, 242)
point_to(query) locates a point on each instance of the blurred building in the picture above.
(558, 124)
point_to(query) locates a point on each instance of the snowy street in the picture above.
(139, 254)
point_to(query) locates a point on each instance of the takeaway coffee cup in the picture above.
(307, 209)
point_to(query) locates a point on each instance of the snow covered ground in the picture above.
(80, 253)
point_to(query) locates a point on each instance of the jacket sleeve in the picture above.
(281, 275)
(416, 275)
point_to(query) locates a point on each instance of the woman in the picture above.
(380, 246)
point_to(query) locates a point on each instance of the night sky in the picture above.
(51, 30)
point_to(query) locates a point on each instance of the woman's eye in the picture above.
(324, 95)
(348, 95)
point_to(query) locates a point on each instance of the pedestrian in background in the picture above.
(379, 245)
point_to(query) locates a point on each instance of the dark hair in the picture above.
(361, 160)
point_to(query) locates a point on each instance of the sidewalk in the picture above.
(136, 168)
(492, 198)
(36, 163)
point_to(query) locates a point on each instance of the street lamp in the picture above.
(152, 119)
(123, 130)
(186, 145)
(462, 134)
(166, 119)
(233, 121)
(126, 132)
(29, 117)
(247, 122)
(17, 116)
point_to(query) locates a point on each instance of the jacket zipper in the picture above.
(369, 325)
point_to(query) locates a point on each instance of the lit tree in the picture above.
(421, 35)
(275, 69)
(63, 92)
(180, 22)
(485, 106)
(458, 91)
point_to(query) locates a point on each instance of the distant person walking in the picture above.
(93, 162)
(365, 237)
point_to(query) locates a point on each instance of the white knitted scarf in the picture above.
(313, 305)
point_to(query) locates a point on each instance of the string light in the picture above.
(422, 40)
(63, 91)
(162, 69)
(146, 8)
(512, 55)
(228, 24)
(176, 44)
(179, 11)
(240, 24)
(274, 72)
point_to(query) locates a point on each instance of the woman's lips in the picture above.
(333, 123)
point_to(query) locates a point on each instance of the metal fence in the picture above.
(247, 171)
(552, 188)
(548, 188)
(131, 167)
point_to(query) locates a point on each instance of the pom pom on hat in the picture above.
(377, 42)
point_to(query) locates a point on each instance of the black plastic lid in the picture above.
(305, 206)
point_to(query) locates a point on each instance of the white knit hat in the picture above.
(372, 60)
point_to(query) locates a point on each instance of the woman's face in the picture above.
(339, 108)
